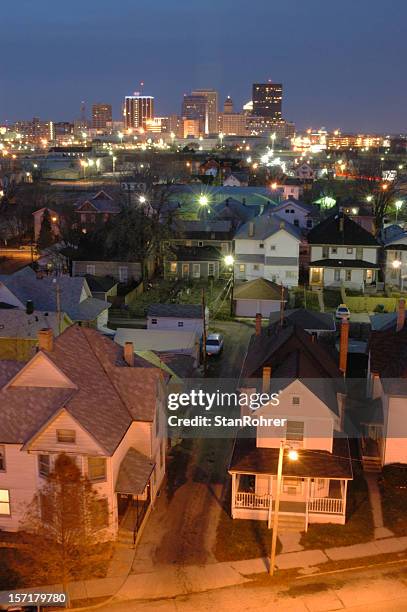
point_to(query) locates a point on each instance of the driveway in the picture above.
(182, 528)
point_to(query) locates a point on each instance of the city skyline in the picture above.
(83, 54)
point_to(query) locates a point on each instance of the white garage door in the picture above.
(249, 308)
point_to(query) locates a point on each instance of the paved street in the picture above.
(383, 589)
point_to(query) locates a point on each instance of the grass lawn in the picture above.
(238, 539)
(394, 498)
(359, 521)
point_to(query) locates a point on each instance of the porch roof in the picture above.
(249, 459)
(134, 473)
(344, 263)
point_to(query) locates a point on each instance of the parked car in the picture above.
(214, 344)
(342, 312)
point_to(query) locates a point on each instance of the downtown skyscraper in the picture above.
(138, 110)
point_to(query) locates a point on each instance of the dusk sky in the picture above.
(341, 63)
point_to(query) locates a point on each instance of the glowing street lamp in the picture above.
(142, 199)
(369, 198)
(292, 455)
(273, 139)
(221, 137)
(120, 135)
(203, 200)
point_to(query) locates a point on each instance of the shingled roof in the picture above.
(104, 394)
(340, 229)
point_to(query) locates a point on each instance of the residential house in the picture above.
(19, 330)
(235, 211)
(288, 361)
(120, 271)
(305, 172)
(267, 247)
(102, 287)
(311, 321)
(236, 179)
(213, 233)
(81, 395)
(297, 213)
(183, 317)
(63, 294)
(383, 424)
(395, 262)
(342, 254)
(259, 296)
(95, 208)
(291, 188)
(193, 262)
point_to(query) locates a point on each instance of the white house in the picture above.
(309, 420)
(182, 317)
(297, 213)
(267, 247)
(395, 272)
(76, 397)
(342, 254)
(305, 172)
(384, 434)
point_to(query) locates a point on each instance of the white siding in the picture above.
(41, 372)
(20, 478)
(47, 439)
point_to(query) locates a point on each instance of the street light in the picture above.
(369, 198)
(203, 200)
(292, 456)
(142, 199)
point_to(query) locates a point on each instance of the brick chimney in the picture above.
(266, 379)
(46, 340)
(129, 353)
(343, 346)
(258, 324)
(401, 315)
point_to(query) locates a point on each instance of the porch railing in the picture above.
(245, 499)
(327, 505)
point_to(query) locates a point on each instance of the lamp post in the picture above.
(292, 456)
(230, 263)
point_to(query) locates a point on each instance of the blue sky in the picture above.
(341, 62)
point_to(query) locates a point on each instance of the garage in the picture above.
(258, 296)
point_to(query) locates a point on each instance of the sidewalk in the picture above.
(164, 581)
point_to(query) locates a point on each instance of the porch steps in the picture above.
(371, 464)
(291, 522)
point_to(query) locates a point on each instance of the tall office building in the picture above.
(101, 115)
(195, 107)
(138, 110)
(211, 95)
(267, 101)
(228, 105)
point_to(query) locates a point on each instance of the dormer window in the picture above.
(295, 400)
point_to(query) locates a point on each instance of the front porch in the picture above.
(316, 500)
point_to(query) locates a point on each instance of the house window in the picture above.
(5, 502)
(96, 468)
(261, 245)
(44, 465)
(90, 269)
(83, 218)
(242, 268)
(200, 243)
(180, 323)
(359, 253)
(272, 247)
(369, 275)
(349, 251)
(196, 270)
(309, 223)
(67, 436)
(296, 223)
(316, 275)
(325, 252)
(153, 321)
(295, 400)
(224, 247)
(2, 458)
(173, 267)
(123, 274)
(337, 275)
(295, 431)
(211, 269)
(287, 210)
(348, 275)
(255, 267)
(334, 250)
(290, 274)
(185, 270)
(188, 242)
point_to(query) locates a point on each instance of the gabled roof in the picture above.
(105, 398)
(306, 319)
(134, 473)
(308, 208)
(100, 201)
(204, 253)
(100, 284)
(259, 289)
(329, 232)
(25, 285)
(264, 226)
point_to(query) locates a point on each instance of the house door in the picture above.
(185, 270)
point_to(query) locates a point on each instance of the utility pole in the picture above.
(204, 331)
(276, 509)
